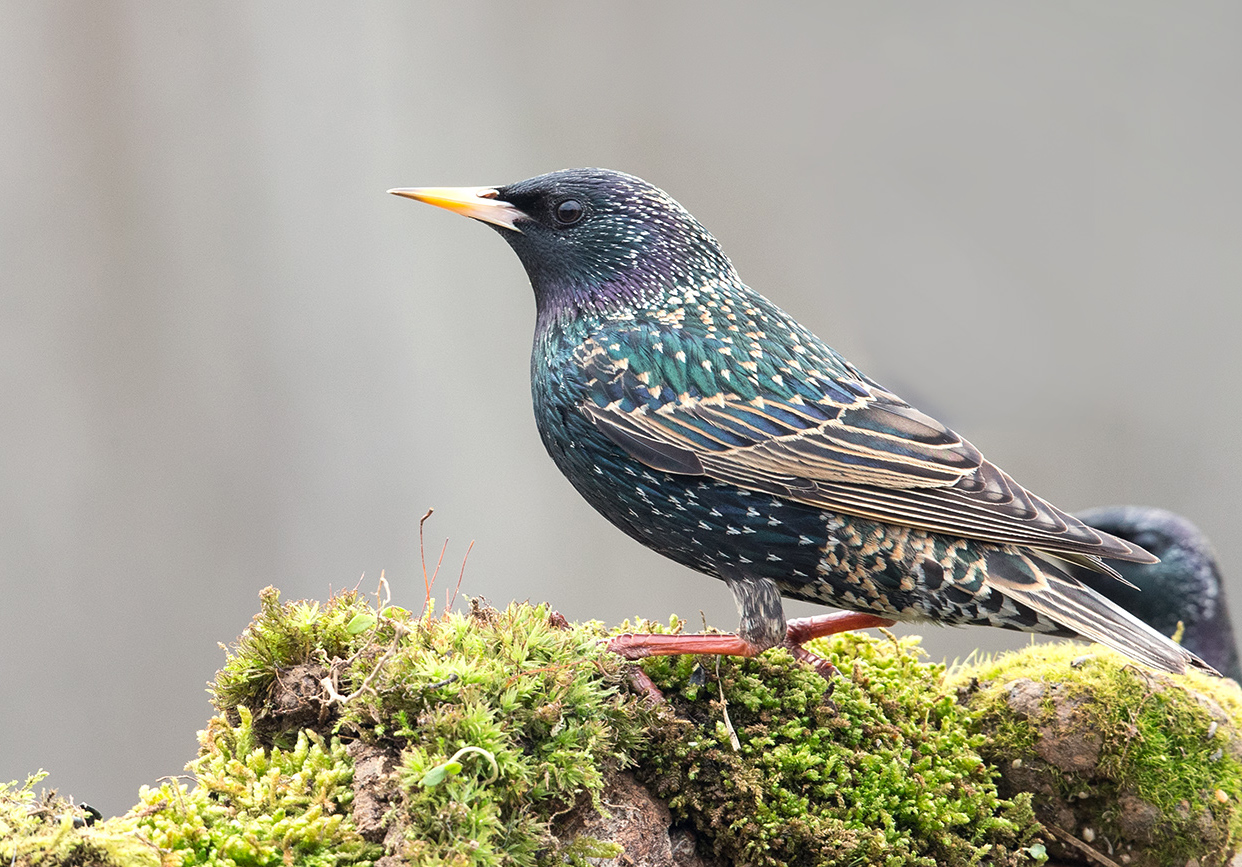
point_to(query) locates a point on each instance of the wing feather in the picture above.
(844, 445)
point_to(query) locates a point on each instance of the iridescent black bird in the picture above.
(1184, 587)
(706, 423)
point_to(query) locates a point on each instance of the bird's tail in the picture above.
(1047, 585)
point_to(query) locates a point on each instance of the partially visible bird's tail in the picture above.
(1047, 585)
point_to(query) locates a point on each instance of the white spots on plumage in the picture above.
(776, 377)
(774, 521)
(705, 364)
(598, 471)
(715, 513)
(742, 559)
(680, 356)
(703, 525)
(732, 531)
(752, 512)
(772, 558)
(630, 470)
(658, 346)
(725, 374)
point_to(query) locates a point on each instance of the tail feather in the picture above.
(1047, 586)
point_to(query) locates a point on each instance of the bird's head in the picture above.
(592, 240)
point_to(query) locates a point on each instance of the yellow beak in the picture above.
(479, 203)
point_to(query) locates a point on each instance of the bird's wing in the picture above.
(818, 432)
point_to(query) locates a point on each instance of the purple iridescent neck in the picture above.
(622, 275)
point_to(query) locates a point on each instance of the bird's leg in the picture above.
(762, 626)
(803, 629)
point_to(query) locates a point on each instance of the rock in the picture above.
(638, 823)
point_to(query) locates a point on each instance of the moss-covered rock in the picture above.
(354, 732)
(1141, 766)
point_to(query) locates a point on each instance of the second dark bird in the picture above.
(706, 423)
(1185, 587)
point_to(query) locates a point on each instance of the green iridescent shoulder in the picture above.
(718, 341)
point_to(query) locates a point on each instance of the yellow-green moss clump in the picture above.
(1143, 767)
(355, 733)
(251, 806)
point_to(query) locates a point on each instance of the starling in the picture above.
(1184, 587)
(705, 422)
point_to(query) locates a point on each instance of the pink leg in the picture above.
(635, 646)
(797, 633)
(803, 629)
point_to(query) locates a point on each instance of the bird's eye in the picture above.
(569, 212)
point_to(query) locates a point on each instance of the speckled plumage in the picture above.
(708, 424)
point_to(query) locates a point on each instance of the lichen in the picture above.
(1131, 762)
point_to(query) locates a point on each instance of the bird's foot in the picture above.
(644, 684)
(825, 668)
(797, 633)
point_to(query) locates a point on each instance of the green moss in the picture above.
(250, 806)
(544, 702)
(1142, 760)
(495, 721)
(540, 710)
(351, 730)
(885, 770)
(255, 806)
(43, 828)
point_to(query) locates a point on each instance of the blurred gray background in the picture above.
(228, 359)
